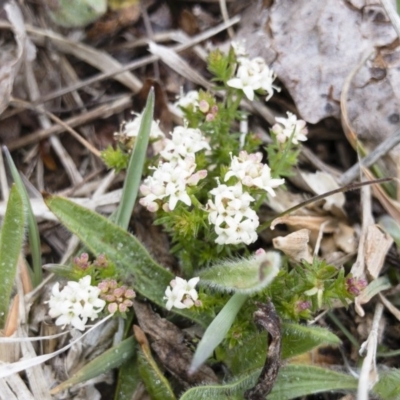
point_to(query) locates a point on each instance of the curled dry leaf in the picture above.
(295, 245)
(320, 183)
(377, 244)
(307, 222)
(266, 318)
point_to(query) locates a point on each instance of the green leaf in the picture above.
(112, 358)
(76, 13)
(135, 166)
(247, 356)
(217, 330)
(246, 275)
(11, 239)
(388, 386)
(301, 380)
(298, 339)
(128, 380)
(293, 382)
(391, 226)
(233, 390)
(33, 230)
(133, 262)
(156, 383)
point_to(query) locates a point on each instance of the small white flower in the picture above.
(239, 48)
(249, 169)
(131, 128)
(252, 76)
(191, 98)
(76, 303)
(265, 182)
(286, 127)
(183, 293)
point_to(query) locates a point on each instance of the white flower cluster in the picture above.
(290, 127)
(182, 293)
(235, 222)
(131, 128)
(252, 75)
(170, 179)
(76, 303)
(249, 169)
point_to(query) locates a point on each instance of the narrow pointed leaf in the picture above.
(110, 359)
(135, 166)
(293, 381)
(133, 262)
(128, 380)
(245, 275)
(11, 239)
(298, 339)
(33, 230)
(156, 383)
(217, 330)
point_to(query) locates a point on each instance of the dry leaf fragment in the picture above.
(295, 245)
(9, 63)
(345, 239)
(306, 222)
(320, 183)
(267, 318)
(377, 244)
(168, 342)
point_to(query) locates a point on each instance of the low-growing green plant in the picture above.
(205, 185)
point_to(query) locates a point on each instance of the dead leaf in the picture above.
(11, 60)
(295, 245)
(307, 222)
(377, 244)
(344, 237)
(170, 345)
(320, 183)
(313, 67)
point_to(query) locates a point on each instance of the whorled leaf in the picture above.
(112, 358)
(246, 275)
(133, 263)
(11, 239)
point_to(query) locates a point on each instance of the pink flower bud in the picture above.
(112, 308)
(128, 303)
(210, 117)
(119, 292)
(144, 190)
(204, 106)
(110, 298)
(130, 294)
(122, 307)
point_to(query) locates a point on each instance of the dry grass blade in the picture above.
(103, 111)
(93, 57)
